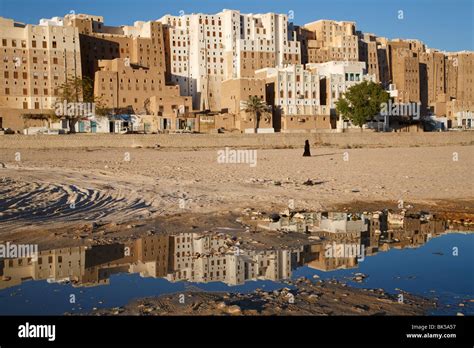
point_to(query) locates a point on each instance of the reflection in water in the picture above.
(338, 240)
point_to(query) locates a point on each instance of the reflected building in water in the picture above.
(415, 230)
(215, 257)
(147, 256)
(65, 264)
(323, 262)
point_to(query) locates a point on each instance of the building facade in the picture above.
(36, 61)
(328, 40)
(295, 94)
(337, 77)
(235, 94)
(204, 50)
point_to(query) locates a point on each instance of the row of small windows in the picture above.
(213, 22)
(35, 91)
(24, 75)
(40, 261)
(22, 43)
(298, 95)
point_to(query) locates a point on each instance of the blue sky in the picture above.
(442, 24)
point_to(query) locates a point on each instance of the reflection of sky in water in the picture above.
(42, 298)
(417, 271)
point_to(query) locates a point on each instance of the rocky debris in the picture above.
(234, 309)
(304, 298)
(310, 182)
(359, 277)
(275, 217)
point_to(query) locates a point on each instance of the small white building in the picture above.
(343, 222)
(340, 75)
(464, 119)
(296, 89)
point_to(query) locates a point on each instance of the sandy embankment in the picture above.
(38, 190)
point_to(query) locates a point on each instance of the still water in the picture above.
(425, 261)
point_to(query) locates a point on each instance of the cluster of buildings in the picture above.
(341, 240)
(184, 257)
(345, 239)
(195, 72)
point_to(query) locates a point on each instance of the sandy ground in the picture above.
(104, 186)
(69, 192)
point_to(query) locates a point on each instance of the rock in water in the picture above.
(234, 309)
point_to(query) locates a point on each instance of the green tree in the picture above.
(362, 102)
(256, 106)
(78, 90)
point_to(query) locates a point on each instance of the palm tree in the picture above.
(257, 106)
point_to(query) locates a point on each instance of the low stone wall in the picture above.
(276, 140)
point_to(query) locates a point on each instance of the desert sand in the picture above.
(54, 187)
